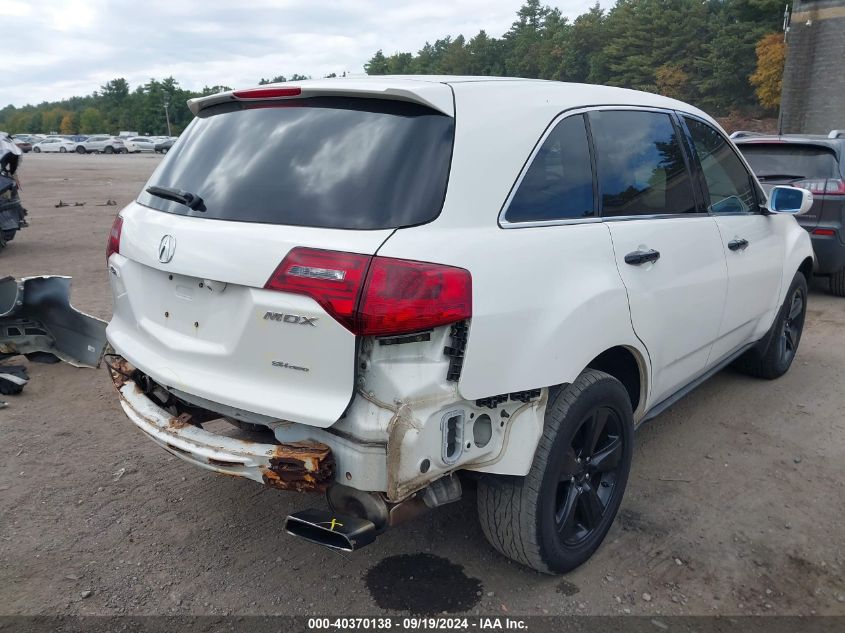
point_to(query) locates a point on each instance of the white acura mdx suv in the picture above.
(383, 282)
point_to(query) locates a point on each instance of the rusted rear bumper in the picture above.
(299, 466)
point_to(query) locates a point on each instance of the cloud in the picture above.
(66, 48)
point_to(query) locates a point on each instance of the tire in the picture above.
(837, 283)
(775, 357)
(37, 150)
(80, 150)
(163, 150)
(520, 515)
(108, 149)
(62, 150)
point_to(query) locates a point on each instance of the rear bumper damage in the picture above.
(371, 485)
(301, 466)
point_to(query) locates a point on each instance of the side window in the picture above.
(641, 165)
(559, 182)
(728, 182)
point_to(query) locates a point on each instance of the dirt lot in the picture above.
(734, 505)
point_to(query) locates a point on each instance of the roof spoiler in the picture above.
(431, 95)
(836, 134)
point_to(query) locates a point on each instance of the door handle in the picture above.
(637, 258)
(738, 245)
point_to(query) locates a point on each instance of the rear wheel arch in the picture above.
(628, 367)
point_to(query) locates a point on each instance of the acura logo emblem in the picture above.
(166, 248)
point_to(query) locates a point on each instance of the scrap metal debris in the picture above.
(13, 379)
(62, 203)
(36, 316)
(108, 203)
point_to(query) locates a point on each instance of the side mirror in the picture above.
(792, 200)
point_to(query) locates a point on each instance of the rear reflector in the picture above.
(113, 244)
(824, 232)
(823, 186)
(267, 93)
(374, 296)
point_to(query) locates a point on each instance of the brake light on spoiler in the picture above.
(267, 93)
(376, 296)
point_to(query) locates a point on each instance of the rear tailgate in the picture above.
(334, 174)
(203, 323)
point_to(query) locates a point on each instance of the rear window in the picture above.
(786, 161)
(331, 162)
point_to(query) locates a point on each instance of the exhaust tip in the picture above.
(340, 532)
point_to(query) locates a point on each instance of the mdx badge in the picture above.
(166, 248)
(293, 319)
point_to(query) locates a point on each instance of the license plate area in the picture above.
(187, 304)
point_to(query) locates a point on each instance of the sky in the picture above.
(66, 48)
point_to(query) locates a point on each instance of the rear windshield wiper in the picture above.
(190, 200)
(777, 177)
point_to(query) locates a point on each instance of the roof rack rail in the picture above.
(836, 134)
(743, 134)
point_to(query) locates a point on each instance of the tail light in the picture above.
(825, 232)
(331, 278)
(375, 296)
(113, 244)
(823, 186)
(404, 296)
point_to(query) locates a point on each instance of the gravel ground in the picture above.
(734, 505)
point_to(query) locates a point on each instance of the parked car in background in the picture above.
(54, 144)
(140, 144)
(78, 138)
(28, 138)
(817, 163)
(162, 147)
(101, 144)
(24, 145)
(612, 258)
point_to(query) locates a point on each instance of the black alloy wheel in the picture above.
(793, 325)
(588, 476)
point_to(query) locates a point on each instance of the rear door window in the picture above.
(641, 164)
(344, 163)
(559, 182)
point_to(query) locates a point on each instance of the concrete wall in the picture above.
(813, 98)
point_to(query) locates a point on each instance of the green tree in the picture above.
(90, 121)
(524, 40)
(377, 64)
(643, 35)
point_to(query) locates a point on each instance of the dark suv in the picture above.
(813, 162)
